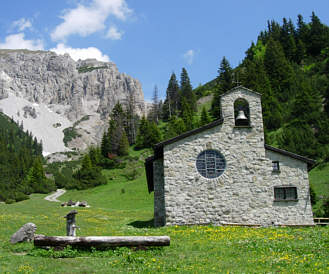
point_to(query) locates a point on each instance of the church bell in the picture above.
(241, 120)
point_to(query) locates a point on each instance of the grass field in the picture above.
(125, 207)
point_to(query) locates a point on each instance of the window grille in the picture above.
(210, 163)
(285, 193)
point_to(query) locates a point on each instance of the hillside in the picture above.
(288, 65)
(20, 164)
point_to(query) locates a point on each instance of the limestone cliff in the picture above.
(50, 92)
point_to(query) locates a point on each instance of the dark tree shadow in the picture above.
(143, 224)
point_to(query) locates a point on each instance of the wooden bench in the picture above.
(321, 221)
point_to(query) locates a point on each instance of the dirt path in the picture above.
(53, 197)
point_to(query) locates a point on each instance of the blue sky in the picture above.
(149, 39)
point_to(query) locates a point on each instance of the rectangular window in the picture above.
(288, 193)
(276, 166)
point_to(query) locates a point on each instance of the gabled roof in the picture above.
(241, 87)
(159, 146)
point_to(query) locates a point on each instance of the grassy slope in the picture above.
(319, 179)
(115, 211)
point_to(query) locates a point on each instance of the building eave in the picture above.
(310, 162)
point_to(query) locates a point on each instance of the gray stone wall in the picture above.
(244, 193)
(159, 195)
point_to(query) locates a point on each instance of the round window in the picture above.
(210, 163)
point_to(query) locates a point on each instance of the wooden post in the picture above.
(70, 223)
(101, 241)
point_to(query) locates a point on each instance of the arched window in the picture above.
(241, 112)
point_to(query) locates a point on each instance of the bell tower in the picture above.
(242, 113)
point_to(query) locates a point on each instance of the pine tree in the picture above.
(278, 70)
(170, 105)
(175, 127)
(124, 145)
(287, 39)
(105, 145)
(142, 132)
(155, 113)
(131, 119)
(302, 32)
(187, 115)
(318, 36)
(300, 52)
(224, 83)
(154, 135)
(95, 155)
(116, 129)
(256, 79)
(148, 134)
(307, 105)
(186, 90)
(205, 118)
(86, 163)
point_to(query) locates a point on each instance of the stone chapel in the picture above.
(224, 173)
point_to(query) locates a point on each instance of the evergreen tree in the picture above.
(170, 105)
(224, 83)
(300, 52)
(142, 132)
(88, 175)
(148, 134)
(318, 36)
(131, 119)
(307, 105)
(298, 137)
(187, 115)
(287, 39)
(255, 78)
(205, 118)
(105, 144)
(86, 163)
(155, 113)
(175, 127)
(95, 155)
(154, 135)
(36, 179)
(186, 90)
(278, 70)
(124, 145)
(116, 129)
(302, 32)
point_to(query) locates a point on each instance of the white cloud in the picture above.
(85, 20)
(22, 24)
(114, 34)
(81, 53)
(17, 41)
(189, 56)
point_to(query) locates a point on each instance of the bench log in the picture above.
(101, 241)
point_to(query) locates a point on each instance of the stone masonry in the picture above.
(244, 193)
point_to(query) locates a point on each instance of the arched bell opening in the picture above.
(241, 113)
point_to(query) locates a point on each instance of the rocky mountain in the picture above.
(52, 93)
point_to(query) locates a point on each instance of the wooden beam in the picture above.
(101, 241)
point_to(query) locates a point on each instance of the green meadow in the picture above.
(124, 207)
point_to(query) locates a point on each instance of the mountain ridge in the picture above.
(68, 89)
